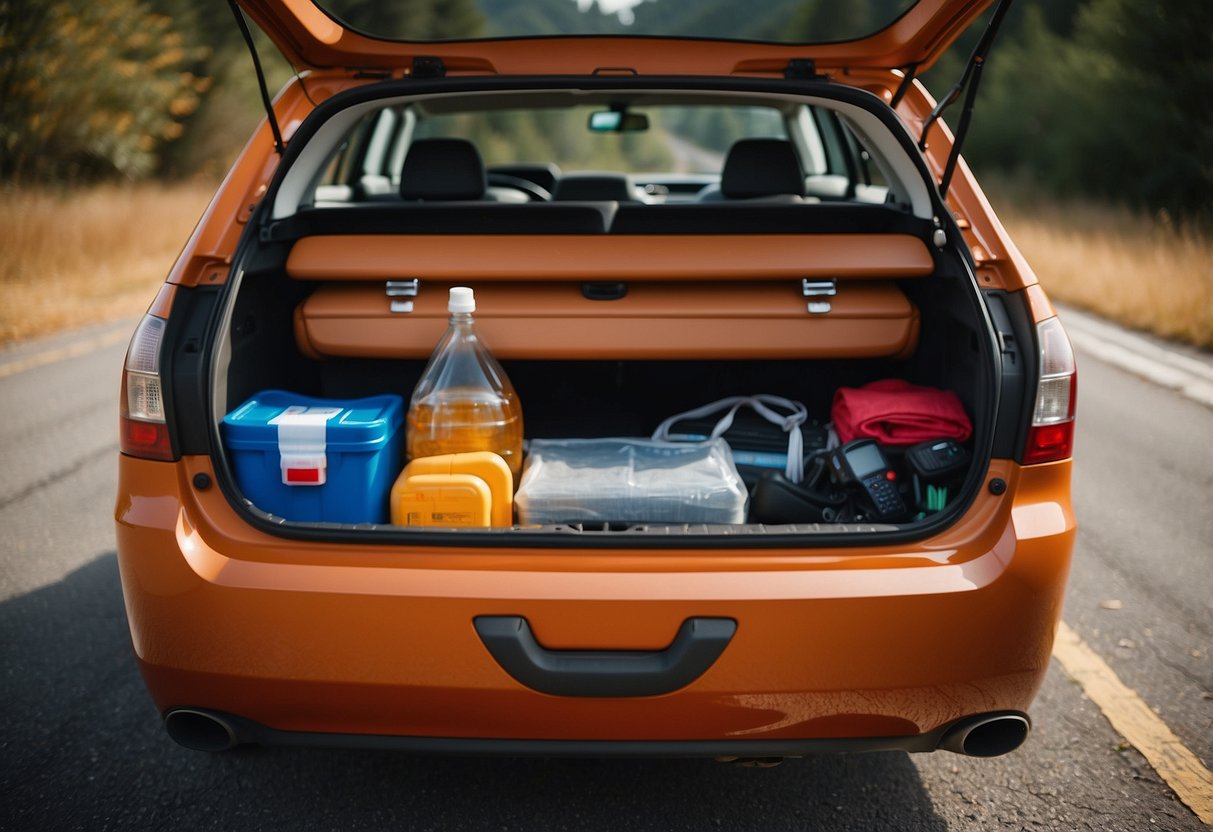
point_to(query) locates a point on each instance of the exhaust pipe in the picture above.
(990, 735)
(201, 730)
(751, 762)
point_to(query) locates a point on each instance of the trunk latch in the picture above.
(398, 289)
(818, 292)
(600, 290)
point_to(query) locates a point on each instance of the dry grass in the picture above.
(1143, 272)
(88, 256)
(98, 254)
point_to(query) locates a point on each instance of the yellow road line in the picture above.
(1140, 726)
(41, 359)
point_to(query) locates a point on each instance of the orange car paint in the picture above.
(307, 636)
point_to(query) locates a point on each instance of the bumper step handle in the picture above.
(606, 673)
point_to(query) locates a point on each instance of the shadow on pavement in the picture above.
(83, 748)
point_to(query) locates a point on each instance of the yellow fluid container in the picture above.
(442, 500)
(469, 489)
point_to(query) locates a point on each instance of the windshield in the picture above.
(785, 21)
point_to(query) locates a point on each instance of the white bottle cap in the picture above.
(462, 300)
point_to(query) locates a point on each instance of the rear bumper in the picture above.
(882, 643)
(222, 731)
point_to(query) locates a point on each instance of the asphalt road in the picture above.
(82, 747)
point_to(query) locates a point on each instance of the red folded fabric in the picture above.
(895, 412)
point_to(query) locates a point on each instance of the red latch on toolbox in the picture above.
(302, 443)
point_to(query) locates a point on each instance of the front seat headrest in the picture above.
(443, 169)
(594, 187)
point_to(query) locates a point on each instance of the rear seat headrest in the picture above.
(443, 169)
(761, 167)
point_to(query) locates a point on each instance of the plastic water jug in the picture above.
(464, 400)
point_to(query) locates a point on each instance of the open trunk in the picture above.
(614, 358)
(612, 314)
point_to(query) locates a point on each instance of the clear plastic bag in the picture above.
(624, 480)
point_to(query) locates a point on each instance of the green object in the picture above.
(937, 498)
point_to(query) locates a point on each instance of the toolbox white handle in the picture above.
(303, 442)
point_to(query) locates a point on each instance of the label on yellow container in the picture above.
(441, 500)
(469, 489)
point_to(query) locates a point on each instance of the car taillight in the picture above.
(1051, 436)
(143, 427)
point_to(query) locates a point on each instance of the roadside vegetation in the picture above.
(89, 255)
(1147, 272)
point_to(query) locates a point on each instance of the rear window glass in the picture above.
(671, 148)
(782, 21)
(683, 139)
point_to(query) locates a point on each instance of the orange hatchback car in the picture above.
(794, 474)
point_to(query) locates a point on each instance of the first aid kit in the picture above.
(317, 460)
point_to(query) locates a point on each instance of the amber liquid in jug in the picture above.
(464, 400)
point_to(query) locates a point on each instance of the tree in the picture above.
(90, 88)
(1104, 98)
(1155, 82)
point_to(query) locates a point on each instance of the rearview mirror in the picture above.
(617, 121)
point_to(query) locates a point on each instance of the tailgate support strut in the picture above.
(265, 93)
(972, 79)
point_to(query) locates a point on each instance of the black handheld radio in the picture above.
(861, 464)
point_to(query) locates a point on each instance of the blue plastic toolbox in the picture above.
(317, 460)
